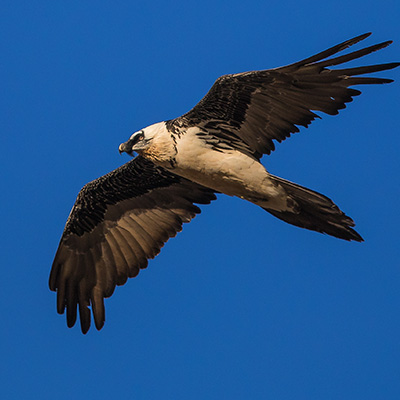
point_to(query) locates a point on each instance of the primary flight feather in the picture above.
(122, 219)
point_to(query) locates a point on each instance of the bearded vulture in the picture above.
(122, 219)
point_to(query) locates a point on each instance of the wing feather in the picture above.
(118, 222)
(84, 311)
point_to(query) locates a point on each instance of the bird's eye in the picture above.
(137, 137)
(140, 136)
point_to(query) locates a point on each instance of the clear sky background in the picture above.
(239, 305)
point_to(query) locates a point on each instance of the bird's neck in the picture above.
(163, 145)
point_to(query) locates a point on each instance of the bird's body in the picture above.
(122, 219)
(231, 171)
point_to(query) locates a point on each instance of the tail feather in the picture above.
(315, 212)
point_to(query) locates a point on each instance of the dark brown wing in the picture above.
(252, 109)
(118, 222)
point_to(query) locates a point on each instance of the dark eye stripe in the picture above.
(138, 136)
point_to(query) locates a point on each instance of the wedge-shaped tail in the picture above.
(315, 212)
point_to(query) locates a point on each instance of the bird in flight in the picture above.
(122, 219)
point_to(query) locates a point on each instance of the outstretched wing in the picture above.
(118, 222)
(255, 108)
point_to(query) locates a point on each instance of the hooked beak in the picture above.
(126, 147)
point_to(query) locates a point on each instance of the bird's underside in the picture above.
(122, 219)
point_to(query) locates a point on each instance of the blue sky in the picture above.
(239, 305)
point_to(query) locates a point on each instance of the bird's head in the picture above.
(153, 142)
(138, 142)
